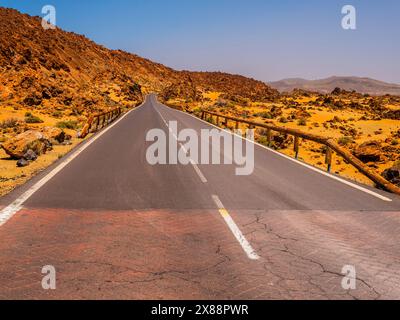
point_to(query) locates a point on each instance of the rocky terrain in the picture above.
(60, 70)
(362, 85)
(368, 126)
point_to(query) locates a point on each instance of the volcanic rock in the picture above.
(29, 140)
(369, 152)
(393, 174)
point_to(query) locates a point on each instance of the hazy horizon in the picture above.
(333, 76)
(268, 41)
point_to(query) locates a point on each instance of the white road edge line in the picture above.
(8, 212)
(348, 183)
(250, 252)
(192, 162)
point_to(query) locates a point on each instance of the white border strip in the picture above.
(8, 212)
(348, 183)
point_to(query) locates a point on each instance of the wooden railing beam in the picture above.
(100, 120)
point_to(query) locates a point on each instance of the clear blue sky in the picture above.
(265, 39)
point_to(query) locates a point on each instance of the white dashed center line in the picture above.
(192, 162)
(250, 252)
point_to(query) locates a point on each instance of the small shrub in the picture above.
(283, 120)
(344, 141)
(196, 111)
(210, 120)
(264, 115)
(263, 140)
(9, 123)
(302, 122)
(57, 114)
(76, 112)
(71, 124)
(395, 142)
(30, 118)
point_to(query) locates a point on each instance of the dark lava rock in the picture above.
(30, 155)
(22, 163)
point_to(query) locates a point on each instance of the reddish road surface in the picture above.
(115, 227)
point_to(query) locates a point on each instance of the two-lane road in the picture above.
(115, 226)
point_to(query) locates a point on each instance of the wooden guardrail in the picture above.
(331, 145)
(100, 120)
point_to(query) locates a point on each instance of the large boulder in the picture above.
(32, 101)
(54, 135)
(369, 151)
(29, 140)
(393, 174)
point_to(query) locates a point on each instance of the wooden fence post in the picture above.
(296, 146)
(100, 120)
(328, 158)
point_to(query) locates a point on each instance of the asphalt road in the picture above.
(115, 226)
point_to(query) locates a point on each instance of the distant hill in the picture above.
(362, 85)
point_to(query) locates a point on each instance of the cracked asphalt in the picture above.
(115, 227)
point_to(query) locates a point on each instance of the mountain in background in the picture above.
(54, 69)
(362, 85)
